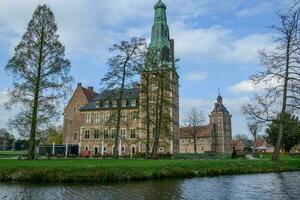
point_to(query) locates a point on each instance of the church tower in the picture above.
(163, 48)
(220, 121)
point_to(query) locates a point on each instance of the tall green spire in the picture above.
(160, 28)
(160, 38)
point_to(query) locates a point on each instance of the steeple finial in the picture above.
(219, 99)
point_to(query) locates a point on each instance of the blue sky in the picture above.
(217, 42)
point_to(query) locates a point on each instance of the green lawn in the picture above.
(103, 171)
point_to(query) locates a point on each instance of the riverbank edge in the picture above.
(128, 173)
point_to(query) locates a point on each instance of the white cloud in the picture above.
(4, 116)
(196, 76)
(244, 86)
(90, 27)
(218, 43)
(254, 10)
(248, 86)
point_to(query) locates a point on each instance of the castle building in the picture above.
(87, 115)
(214, 137)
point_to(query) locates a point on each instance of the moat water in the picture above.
(271, 186)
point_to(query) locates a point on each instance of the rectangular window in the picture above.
(106, 117)
(134, 116)
(123, 117)
(97, 133)
(114, 103)
(113, 133)
(97, 104)
(132, 134)
(97, 118)
(75, 136)
(87, 134)
(133, 103)
(105, 134)
(104, 149)
(124, 103)
(88, 118)
(123, 132)
(123, 149)
(106, 104)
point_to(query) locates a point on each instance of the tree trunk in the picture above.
(31, 147)
(278, 144)
(148, 116)
(254, 145)
(116, 150)
(195, 142)
(158, 116)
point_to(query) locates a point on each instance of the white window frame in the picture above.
(123, 133)
(98, 133)
(133, 103)
(106, 117)
(106, 104)
(124, 103)
(105, 130)
(87, 133)
(133, 132)
(114, 104)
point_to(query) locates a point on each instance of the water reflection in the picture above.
(261, 186)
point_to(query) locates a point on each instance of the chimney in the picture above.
(79, 84)
(91, 89)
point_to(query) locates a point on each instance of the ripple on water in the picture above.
(258, 186)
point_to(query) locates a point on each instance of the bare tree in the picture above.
(41, 75)
(123, 67)
(193, 120)
(254, 128)
(147, 93)
(280, 72)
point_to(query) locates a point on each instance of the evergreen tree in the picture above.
(291, 132)
(41, 75)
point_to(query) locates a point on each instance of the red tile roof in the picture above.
(203, 131)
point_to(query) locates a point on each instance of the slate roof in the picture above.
(203, 131)
(89, 93)
(129, 94)
(219, 107)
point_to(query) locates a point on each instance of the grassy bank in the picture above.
(107, 171)
(12, 154)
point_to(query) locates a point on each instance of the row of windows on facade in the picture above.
(114, 103)
(100, 117)
(106, 135)
(133, 149)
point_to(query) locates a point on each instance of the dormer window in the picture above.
(133, 103)
(106, 104)
(114, 103)
(124, 103)
(97, 104)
